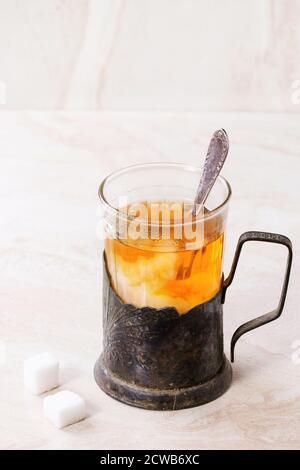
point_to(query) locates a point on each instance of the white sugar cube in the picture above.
(41, 373)
(64, 408)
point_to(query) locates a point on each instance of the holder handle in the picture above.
(270, 316)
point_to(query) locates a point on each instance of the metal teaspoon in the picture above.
(214, 161)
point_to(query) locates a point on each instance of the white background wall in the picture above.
(149, 54)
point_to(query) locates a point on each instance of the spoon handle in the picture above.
(215, 158)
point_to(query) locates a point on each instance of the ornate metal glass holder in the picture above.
(163, 358)
(160, 360)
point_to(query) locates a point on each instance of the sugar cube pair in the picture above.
(41, 374)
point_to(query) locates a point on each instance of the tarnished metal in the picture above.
(158, 359)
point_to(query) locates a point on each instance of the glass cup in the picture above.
(166, 257)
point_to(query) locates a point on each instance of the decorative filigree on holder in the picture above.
(158, 359)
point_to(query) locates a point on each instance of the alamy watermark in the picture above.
(295, 95)
(152, 220)
(295, 357)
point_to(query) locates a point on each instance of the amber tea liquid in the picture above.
(167, 273)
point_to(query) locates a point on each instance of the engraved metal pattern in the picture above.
(159, 348)
(160, 360)
(214, 161)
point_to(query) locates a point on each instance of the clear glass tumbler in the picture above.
(157, 254)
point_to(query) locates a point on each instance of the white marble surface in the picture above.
(219, 55)
(51, 165)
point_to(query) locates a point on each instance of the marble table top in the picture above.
(50, 264)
